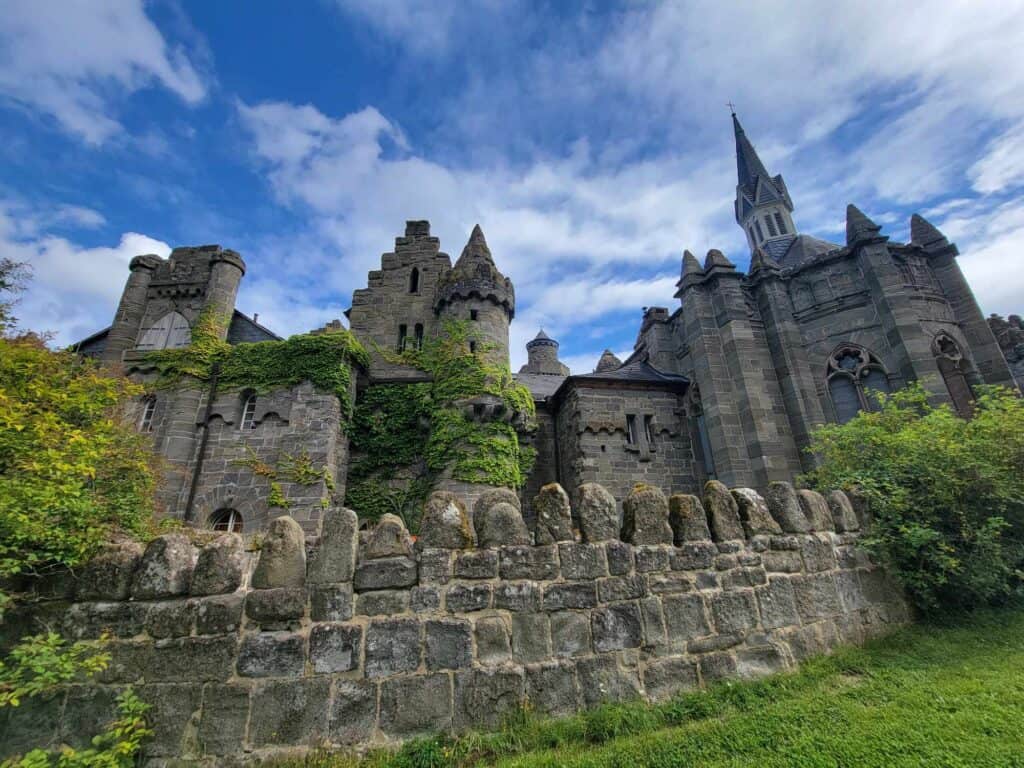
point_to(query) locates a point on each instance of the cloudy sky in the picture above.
(590, 140)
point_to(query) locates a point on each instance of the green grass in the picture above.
(947, 693)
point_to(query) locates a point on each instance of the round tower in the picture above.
(542, 356)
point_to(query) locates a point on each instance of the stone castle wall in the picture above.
(373, 638)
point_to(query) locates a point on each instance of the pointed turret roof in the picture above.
(608, 362)
(690, 264)
(924, 233)
(476, 248)
(716, 258)
(475, 274)
(541, 339)
(748, 164)
(858, 226)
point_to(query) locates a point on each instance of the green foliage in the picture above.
(13, 275)
(407, 435)
(947, 494)
(72, 472)
(297, 469)
(323, 359)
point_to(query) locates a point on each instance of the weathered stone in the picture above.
(726, 562)
(664, 678)
(618, 588)
(716, 666)
(108, 575)
(582, 561)
(652, 559)
(482, 564)
(173, 712)
(484, 697)
(843, 516)
(335, 647)
(493, 496)
(850, 592)
(445, 523)
(553, 521)
(714, 643)
(330, 602)
(178, 660)
(224, 717)
(817, 554)
(785, 508)
(685, 618)
(734, 611)
(353, 712)
(645, 517)
(602, 680)
(723, 514)
(655, 638)
(271, 654)
(816, 510)
(754, 514)
(777, 603)
(449, 644)
(620, 557)
(334, 560)
(34, 724)
(385, 573)
(616, 627)
(416, 705)
(220, 566)
(572, 595)
(424, 599)
(463, 598)
(738, 578)
(669, 583)
(551, 688)
(517, 596)
(692, 556)
(282, 561)
(570, 633)
(816, 596)
(534, 563)
(861, 506)
(530, 637)
(501, 525)
(493, 640)
(435, 566)
(382, 602)
(269, 606)
(85, 621)
(219, 614)
(783, 562)
(706, 580)
(599, 519)
(290, 712)
(170, 619)
(688, 519)
(388, 538)
(392, 646)
(165, 569)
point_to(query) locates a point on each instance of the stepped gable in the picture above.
(476, 275)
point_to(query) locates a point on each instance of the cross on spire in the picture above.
(731, 106)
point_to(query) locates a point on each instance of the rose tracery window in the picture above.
(853, 373)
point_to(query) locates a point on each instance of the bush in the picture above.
(946, 493)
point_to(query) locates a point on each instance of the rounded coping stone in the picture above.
(165, 569)
(220, 566)
(108, 575)
(688, 519)
(843, 516)
(499, 525)
(282, 561)
(723, 513)
(785, 507)
(445, 523)
(553, 515)
(494, 496)
(388, 538)
(754, 514)
(645, 517)
(816, 510)
(599, 518)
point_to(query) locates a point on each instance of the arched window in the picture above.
(171, 331)
(226, 520)
(853, 374)
(780, 222)
(414, 280)
(771, 225)
(148, 410)
(418, 335)
(953, 368)
(248, 419)
(760, 233)
(403, 331)
(702, 445)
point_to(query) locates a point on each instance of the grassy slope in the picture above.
(931, 695)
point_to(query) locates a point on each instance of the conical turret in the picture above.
(608, 362)
(542, 356)
(716, 258)
(924, 233)
(859, 227)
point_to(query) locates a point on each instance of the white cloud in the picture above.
(71, 59)
(1003, 166)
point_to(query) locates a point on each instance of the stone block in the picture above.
(645, 517)
(84, 621)
(334, 560)
(35, 723)
(272, 654)
(435, 566)
(172, 618)
(482, 564)
(777, 602)
(501, 525)
(276, 606)
(385, 573)
(388, 538)
(551, 688)
(424, 599)
(445, 523)
(282, 561)
(290, 712)
(330, 602)
(534, 563)
(493, 496)
(224, 718)
(599, 518)
(850, 594)
(616, 627)
(723, 514)
(517, 596)
(392, 646)
(570, 634)
(484, 697)
(716, 666)
(652, 558)
(843, 517)
(384, 602)
(754, 514)
(464, 598)
(688, 519)
(165, 569)
(530, 641)
(752, 663)
(664, 678)
(655, 638)
(685, 618)
(817, 554)
(493, 640)
(616, 588)
(783, 562)
(784, 505)
(602, 680)
(571, 595)
(738, 578)
(419, 705)
(174, 709)
(449, 644)
(734, 611)
(552, 515)
(335, 647)
(692, 556)
(220, 566)
(353, 712)
(620, 557)
(108, 575)
(669, 583)
(816, 510)
(582, 561)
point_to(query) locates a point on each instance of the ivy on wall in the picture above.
(466, 420)
(298, 469)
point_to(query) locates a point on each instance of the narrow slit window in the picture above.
(473, 314)
(632, 438)
(760, 233)
(148, 411)
(402, 333)
(248, 420)
(781, 222)
(648, 430)
(771, 225)
(414, 280)
(418, 335)
(472, 347)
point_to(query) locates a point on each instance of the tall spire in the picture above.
(748, 165)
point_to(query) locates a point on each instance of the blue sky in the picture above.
(590, 140)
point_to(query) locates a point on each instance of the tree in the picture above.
(13, 275)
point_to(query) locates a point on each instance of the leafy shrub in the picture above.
(946, 494)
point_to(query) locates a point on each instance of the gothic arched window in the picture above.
(171, 331)
(418, 335)
(702, 443)
(414, 280)
(148, 410)
(248, 419)
(853, 374)
(226, 520)
(953, 368)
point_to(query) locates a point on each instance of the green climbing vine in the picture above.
(298, 469)
(323, 359)
(405, 435)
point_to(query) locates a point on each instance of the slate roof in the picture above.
(634, 371)
(541, 385)
(802, 248)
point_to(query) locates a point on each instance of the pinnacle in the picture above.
(762, 260)
(859, 226)
(476, 246)
(690, 264)
(923, 232)
(716, 258)
(608, 362)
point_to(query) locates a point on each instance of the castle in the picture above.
(727, 386)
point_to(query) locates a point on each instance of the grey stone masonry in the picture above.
(444, 639)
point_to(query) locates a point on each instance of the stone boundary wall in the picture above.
(374, 638)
